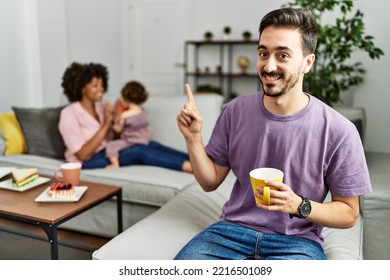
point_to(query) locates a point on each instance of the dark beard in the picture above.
(289, 84)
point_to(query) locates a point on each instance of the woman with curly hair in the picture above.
(86, 125)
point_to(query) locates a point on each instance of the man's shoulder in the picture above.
(328, 110)
(334, 119)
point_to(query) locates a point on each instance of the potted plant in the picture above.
(333, 71)
(207, 88)
(246, 35)
(226, 32)
(208, 35)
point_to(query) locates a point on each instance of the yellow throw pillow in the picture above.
(12, 133)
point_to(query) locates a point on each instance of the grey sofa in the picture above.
(162, 234)
(163, 209)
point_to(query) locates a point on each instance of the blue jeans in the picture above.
(227, 241)
(152, 154)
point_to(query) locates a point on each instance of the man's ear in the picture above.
(309, 61)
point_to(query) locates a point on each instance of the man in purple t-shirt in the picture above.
(282, 127)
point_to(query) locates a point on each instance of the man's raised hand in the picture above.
(188, 120)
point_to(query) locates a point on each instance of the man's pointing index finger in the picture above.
(190, 96)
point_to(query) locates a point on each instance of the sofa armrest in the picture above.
(376, 208)
(357, 116)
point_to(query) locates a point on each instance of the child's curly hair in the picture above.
(77, 75)
(134, 92)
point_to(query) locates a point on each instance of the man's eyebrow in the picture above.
(281, 48)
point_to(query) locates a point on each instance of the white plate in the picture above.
(7, 184)
(5, 171)
(45, 197)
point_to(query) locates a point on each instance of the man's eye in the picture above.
(263, 54)
(284, 56)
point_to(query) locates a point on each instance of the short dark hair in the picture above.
(302, 19)
(135, 92)
(77, 75)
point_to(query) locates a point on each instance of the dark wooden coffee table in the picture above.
(20, 206)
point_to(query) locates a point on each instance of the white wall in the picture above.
(40, 38)
(53, 37)
(374, 93)
(82, 31)
(19, 55)
(94, 35)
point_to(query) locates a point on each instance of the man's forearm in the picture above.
(208, 175)
(335, 214)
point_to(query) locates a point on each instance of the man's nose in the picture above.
(270, 65)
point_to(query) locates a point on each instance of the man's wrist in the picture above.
(304, 209)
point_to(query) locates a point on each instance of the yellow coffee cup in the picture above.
(259, 175)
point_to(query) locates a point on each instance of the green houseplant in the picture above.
(227, 30)
(208, 35)
(334, 72)
(246, 35)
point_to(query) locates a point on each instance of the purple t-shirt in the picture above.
(317, 148)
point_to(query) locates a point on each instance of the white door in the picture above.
(153, 44)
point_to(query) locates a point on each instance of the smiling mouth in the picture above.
(273, 76)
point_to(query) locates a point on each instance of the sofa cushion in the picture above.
(344, 244)
(2, 143)
(13, 137)
(161, 235)
(40, 128)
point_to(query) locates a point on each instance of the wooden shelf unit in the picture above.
(226, 75)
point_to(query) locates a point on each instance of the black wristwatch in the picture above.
(304, 209)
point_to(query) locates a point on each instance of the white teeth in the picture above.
(271, 78)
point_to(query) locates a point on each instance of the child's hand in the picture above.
(120, 106)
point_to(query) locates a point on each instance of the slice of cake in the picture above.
(61, 190)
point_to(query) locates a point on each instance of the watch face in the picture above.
(305, 208)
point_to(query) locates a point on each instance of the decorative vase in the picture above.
(243, 62)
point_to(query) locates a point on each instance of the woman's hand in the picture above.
(107, 115)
